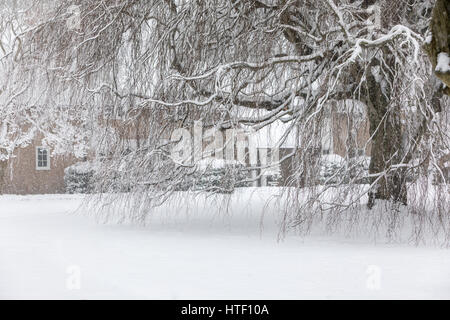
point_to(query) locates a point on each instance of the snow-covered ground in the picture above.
(49, 249)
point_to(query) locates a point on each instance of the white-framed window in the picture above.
(42, 158)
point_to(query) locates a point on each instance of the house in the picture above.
(35, 170)
(345, 132)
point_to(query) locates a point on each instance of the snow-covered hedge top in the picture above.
(337, 160)
(81, 167)
(213, 163)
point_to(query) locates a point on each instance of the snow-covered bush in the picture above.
(335, 169)
(215, 175)
(273, 176)
(78, 178)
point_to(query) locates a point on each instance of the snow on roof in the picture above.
(214, 163)
(283, 134)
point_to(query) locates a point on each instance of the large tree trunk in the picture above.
(440, 41)
(3, 167)
(386, 129)
(386, 151)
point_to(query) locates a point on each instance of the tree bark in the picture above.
(440, 41)
(3, 168)
(386, 130)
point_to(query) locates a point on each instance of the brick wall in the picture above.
(23, 178)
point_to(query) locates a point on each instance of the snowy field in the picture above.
(49, 248)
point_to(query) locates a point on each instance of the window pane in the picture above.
(43, 160)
